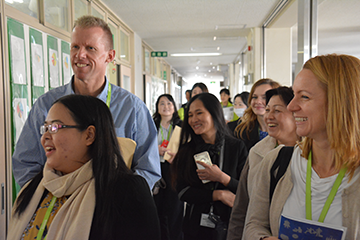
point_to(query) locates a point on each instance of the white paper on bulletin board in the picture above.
(53, 68)
(37, 65)
(19, 115)
(66, 68)
(18, 68)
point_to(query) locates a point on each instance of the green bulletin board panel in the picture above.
(66, 65)
(18, 82)
(37, 64)
(53, 62)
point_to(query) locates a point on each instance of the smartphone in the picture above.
(203, 157)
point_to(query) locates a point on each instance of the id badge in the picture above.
(164, 143)
(206, 222)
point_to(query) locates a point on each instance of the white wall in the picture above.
(278, 55)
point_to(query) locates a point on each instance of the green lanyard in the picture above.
(331, 196)
(46, 219)
(162, 135)
(108, 99)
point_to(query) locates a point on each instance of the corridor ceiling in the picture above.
(189, 26)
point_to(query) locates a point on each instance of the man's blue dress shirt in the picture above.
(132, 120)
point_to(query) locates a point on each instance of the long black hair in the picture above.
(107, 162)
(175, 120)
(184, 161)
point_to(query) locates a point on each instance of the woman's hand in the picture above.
(225, 196)
(162, 150)
(213, 173)
(172, 156)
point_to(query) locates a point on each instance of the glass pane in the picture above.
(114, 32)
(28, 7)
(57, 13)
(81, 8)
(126, 82)
(124, 46)
(96, 13)
(147, 61)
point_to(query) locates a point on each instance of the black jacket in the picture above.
(250, 140)
(199, 196)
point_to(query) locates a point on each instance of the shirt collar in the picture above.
(102, 96)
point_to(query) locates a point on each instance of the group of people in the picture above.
(288, 152)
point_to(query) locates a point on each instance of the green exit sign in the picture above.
(159, 54)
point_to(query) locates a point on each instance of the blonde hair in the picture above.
(249, 118)
(340, 76)
(89, 21)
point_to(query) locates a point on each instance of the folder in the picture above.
(174, 142)
(127, 149)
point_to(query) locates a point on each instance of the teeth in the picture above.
(49, 148)
(271, 125)
(298, 119)
(81, 65)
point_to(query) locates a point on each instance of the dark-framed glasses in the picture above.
(54, 127)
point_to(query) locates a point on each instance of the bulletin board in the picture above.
(18, 83)
(66, 65)
(53, 62)
(37, 64)
(18, 78)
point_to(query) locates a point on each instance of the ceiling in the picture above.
(189, 26)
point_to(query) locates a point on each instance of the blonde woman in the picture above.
(252, 127)
(326, 112)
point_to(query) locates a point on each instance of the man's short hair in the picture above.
(89, 21)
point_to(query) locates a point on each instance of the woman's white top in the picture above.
(320, 189)
(165, 135)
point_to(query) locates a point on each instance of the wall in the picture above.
(138, 67)
(278, 47)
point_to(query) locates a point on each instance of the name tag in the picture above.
(206, 222)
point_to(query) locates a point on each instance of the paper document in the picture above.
(174, 142)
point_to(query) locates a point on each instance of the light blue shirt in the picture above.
(132, 120)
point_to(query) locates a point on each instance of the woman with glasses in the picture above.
(85, 190)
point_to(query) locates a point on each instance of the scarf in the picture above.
(73, 221)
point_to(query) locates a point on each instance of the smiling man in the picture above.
(91, 51)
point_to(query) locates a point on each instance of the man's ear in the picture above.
(110, 56)
(90, 135)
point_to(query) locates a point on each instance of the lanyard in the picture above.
(162, 134)
(331, 196)
(46, 218)
(108, 99)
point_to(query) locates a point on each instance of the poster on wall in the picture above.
(66, 67)
(19, 114)
(53, 68)
(18, 68)
(37, 65)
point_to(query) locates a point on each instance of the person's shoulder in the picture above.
(234, 142)
(47, 99)
(132, 183)
(126, 97)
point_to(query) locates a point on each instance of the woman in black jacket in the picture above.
(169, 207)
(210, 191)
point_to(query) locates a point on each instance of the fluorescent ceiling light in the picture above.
(195, 54)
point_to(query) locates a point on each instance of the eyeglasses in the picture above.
(54, 128)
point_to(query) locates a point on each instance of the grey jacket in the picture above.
(263, 220)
